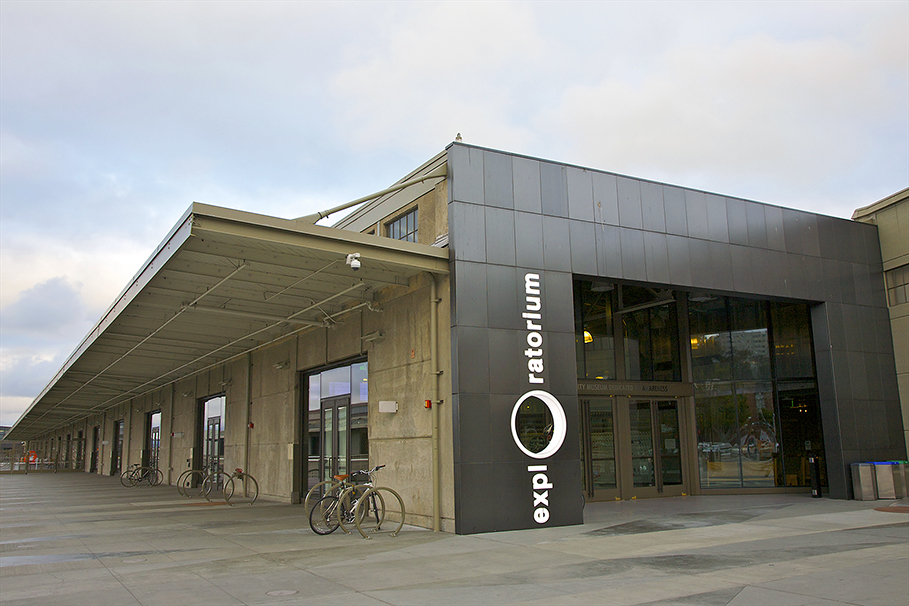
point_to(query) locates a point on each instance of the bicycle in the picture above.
(137, 474)
(250, 485)
(362, 505)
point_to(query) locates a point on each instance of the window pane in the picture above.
(792, 346)
(710, 344)
(717, 427)
(336, 382)
(750, 348)
(757, 435)
(359, 388)
(594, 338)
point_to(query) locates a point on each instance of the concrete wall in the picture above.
(265, 388)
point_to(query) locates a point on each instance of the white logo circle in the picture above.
(559, 424)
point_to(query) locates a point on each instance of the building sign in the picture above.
(538, 421)
(635, 388)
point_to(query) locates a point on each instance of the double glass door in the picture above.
(631, 448)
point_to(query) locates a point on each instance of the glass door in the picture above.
(598, 454)
(335, 437)
(654, 464)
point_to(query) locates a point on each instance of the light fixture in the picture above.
(373, 336)
(281, 365)
(588, 338)
(602, 287)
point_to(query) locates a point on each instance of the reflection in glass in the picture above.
(750, 348)
(594, 330)
(651, 334)
(602, 444)
(534, 424)
(800, 431)
(792, 340)
(670, 451)
(642, 470)
(757, 442)
(336, 382)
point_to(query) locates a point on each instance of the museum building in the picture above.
(506, 335)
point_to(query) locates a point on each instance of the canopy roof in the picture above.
(222, 283)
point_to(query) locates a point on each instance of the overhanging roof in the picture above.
(222, 283)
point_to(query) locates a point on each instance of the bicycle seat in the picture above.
(341, 477)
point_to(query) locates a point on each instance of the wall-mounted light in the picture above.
(187, 394)
(373, 336)
(281, 365)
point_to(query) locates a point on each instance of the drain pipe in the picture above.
(434, 364)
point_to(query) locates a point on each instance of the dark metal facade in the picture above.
(511, 215)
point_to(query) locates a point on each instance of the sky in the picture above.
(116, 116)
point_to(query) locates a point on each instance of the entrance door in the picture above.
(631, 448)
(96, 447)
(655, 466)
(335, 436)
(116, 452)
(598, 449)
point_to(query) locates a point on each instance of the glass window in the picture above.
(651, 334)
(757, 444)
(336, 382)
(717, 429)
(792, 351)
(711, 348)
(750, 347)
(595, 343)
(404, 227)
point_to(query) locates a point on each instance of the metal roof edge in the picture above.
(880, 205)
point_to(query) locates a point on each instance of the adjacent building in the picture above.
(507, 335)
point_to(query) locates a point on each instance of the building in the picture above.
(891, 215)
(484, 326)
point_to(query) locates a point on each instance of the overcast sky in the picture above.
(115, 116)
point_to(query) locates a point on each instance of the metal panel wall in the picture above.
(509, 215)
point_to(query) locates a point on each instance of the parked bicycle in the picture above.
(137, 474)
(361, 504)
(228, 484)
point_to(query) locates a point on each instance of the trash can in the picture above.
(884, 478)
(902, 489)
(814, 467)
(863, 486)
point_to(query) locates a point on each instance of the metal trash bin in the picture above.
(863, 485)
(900, 479)
(884, 478)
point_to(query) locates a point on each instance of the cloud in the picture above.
(760, 116)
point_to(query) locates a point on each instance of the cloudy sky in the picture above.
(115, 116)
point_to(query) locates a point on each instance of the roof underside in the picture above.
(224, 282)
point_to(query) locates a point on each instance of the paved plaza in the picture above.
(75, 538)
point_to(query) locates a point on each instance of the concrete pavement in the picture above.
(74, 538)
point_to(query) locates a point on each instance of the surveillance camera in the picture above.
(355, 264)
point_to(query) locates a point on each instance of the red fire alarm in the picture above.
(250, 424)
(427, 404)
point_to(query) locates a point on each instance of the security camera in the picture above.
(353, 260)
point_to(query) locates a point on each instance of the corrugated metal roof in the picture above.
(222, 283)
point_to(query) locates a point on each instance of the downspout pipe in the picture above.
(434, 363)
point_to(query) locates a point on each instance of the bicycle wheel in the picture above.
(125, 478)
(144, 475)
(395, 512)
(357, 513)
(155, 476)
(251, 488)
(322, 489)
(323, 519)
